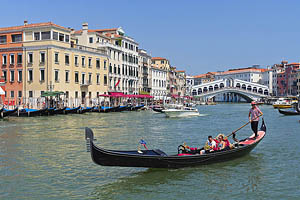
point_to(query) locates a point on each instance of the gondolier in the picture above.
(254, 114)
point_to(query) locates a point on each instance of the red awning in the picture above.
(116, 94)
(104, 95)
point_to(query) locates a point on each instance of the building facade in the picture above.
(11, 65)
(122, 52)
(52, 61)
(159, 83)
(144, 83)
(189, 84)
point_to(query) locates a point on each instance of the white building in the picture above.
(267, 79)
(144, 83)
(190, 82)
(123, 56)
(159, 83)
(252, 75)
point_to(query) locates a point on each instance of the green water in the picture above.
(46, 158)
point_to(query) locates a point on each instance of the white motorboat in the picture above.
(181, 111)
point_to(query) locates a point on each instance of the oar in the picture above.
(243, 126)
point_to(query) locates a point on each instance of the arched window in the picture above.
(221, 85)
(238, 85)
(244, 86)
(194, 92)
(211, 88)
(205, 89)
(260, 91)
(254, 89)
(199, 91)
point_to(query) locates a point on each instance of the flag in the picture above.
(143, 142)
(117, 83)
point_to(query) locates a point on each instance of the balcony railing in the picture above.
(85, 83)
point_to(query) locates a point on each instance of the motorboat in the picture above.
(180, 111)
(282, 103)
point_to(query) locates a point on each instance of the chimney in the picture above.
(85, 27)
(25, 22)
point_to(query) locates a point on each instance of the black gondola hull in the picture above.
(286, 112)
(158, 159)
(72, 110)
(5, 113)
(34, 113)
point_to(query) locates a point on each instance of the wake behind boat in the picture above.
(158, 159)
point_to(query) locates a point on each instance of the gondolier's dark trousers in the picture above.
(254, 125)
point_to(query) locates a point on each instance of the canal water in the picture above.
(46, 158)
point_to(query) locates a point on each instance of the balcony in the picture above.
(4, 66)
(85, 83)
(12, 65)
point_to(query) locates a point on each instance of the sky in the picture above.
(198, 36)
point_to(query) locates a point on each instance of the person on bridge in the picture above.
(254, 113)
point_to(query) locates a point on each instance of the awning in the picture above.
(51, 94)
(116, 94)
(2, 91)
(104, 95)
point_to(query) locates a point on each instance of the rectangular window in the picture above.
(20, 75)
(83, 78)
(30, 94)
(55, 35)
(16, 38)
(67, 59)
(98, 79)
(76, 77)
(56, 75)
(4, 59)
(104, 64)
(67, 38)
(90, 62)
(19, 58)
(67, 77)
(105, 79)
(30, 75)
(30, 58)
(76, 60)
(37, 36)
(3, 39)
(83, 61)
(76, 94)
(61, 37)
(42, 75)
(90, 78)
(12, 94)
(42, 57)
(91, 40)
(12, 59)
(4, 72)
(12, 76)
(98, 63)
(56, 58)
(46, 35)
(20, 94)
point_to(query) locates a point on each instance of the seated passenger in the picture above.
(224, 144)
(210, 146)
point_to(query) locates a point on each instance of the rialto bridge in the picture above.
(231, 89)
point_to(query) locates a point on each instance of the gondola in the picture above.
(109, 109)
(158, 159)
(84, 110)
(30, 112)
(4, 112)
(135, 108)
(71, 110)
(160, 110)
(59, 111)
(289, 112)
(49, 111)
(122, 108)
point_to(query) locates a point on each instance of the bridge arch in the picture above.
(199, 90)
(254, 89)
(221, 85)
(216, 87)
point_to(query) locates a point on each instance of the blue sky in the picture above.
(197, 36)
